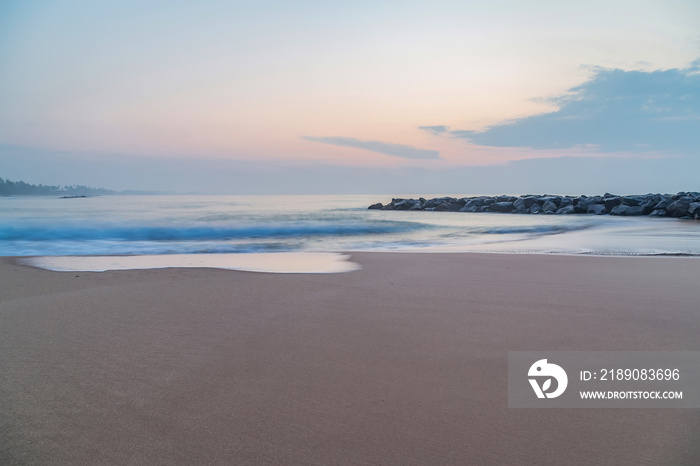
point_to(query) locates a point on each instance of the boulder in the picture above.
(566, 201)
(566, 210)
(378, 205)
(549, 207)
(694, 208)
(680, 207)
(535, 209)
(626, 210)
(505, 206)
(632, 200)
(529, 200)
(444, 207)
(520, 206)
(553, 199)
(663, 203)
(405, 204)
(658, 213)
(597, 209)
(432, 203)
(648, 205)
(473, 203)
(611, 202)
(581, 204)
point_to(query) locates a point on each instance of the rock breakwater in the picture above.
(685, 205)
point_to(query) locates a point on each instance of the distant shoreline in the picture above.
(22, 189)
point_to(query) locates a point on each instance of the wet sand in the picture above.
(403, 362)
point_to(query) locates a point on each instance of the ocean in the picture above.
(197, 224)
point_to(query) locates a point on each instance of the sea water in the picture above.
(196, 224)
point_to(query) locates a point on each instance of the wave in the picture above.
(533, 229)
(195, 233)
(526, 231)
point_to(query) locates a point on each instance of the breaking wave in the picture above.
(194, 233)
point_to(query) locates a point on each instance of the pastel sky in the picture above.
(363, 96)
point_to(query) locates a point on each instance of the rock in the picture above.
(529, 200)
(405, 204)
(535, 209)
(549, 207)
(504, 206)
(432, 203)
(680, 207)
(553, 199)
(694, 208)
(378, 205)
(597, 209)
(648, 205)
(566, 201)
(626, 210)
(663, 203)
(475, 202)
(581, 204)
(566, 210)
(519, 205)
(444, 207)
(658, 213)
(632, 200)
(611, 202)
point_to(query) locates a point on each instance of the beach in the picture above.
(401, 362)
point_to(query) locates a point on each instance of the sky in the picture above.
(460, 97)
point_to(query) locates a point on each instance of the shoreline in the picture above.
(287, 262)
(302, 262)
(401, 362)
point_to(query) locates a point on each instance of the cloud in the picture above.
(695, 66)
(397, 150)
(437, 129)
(615, 111)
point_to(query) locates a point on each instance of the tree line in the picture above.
(20, 188)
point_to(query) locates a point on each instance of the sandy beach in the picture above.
(402, 362)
